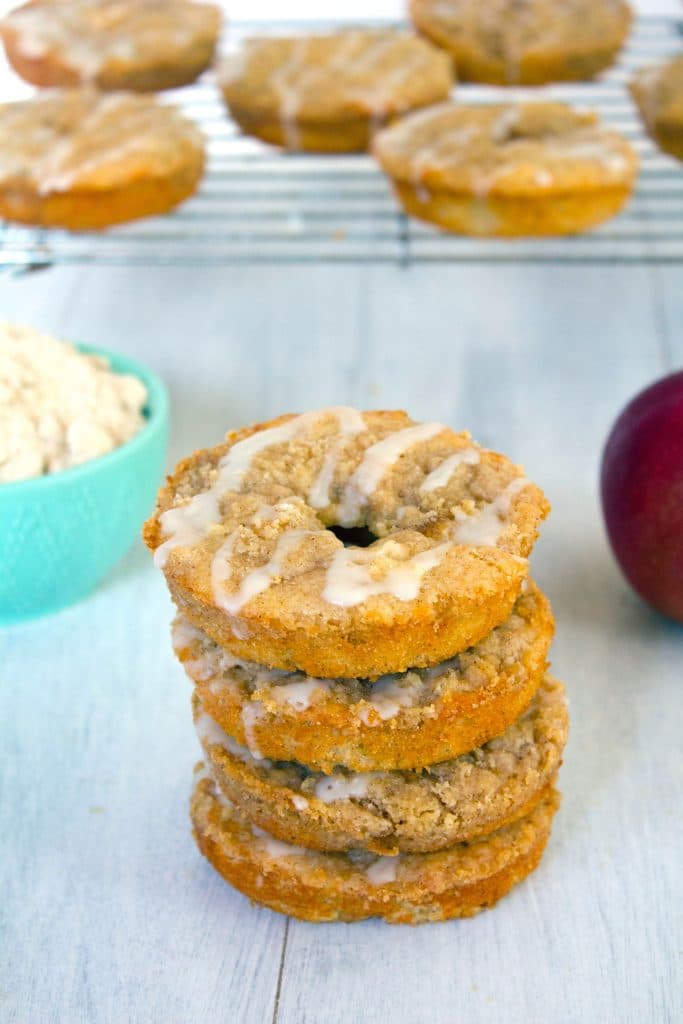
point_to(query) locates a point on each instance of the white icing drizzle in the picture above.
(484, 527)
(383, 870)
(299, 695)
(441, 476)
(389, 695)
(184, 635)
(256, 581)
(274, 847)
(287, 90)
(300, 802)
(350, 59)
(220, 796)
(210, 732)
(252, 713)
(186, 525)
(376, 462)
(351, 422)
(438, 154)
(335, 787)
(94, 33)
(349, 581)
(507, 119)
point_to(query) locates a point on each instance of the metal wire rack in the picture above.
(258, 204)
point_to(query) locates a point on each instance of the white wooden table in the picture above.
(107, 911)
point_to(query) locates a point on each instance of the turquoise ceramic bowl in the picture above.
(61, 534)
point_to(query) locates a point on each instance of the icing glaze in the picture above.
(349, 580)
(300, 694)
(210, 732)
(383, 870)
(485, 526)
(274, 847)
(256, 581)
(376, 462)
(389, 695)
(252, 714)
(351, 422)
(440, 477)
(187, 524)
(335, 787)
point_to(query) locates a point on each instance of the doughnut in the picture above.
(525, 42)
(405, 889)
(245, 534)
(330, 93)
(511, 170)
(399, 721)
(658, 93)
(83, 160)
(141, 45)
(392, 812)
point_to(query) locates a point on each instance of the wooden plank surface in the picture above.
(108, 912)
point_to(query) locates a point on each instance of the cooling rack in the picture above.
(258, 204)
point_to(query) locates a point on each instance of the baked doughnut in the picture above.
(143, 45)
(81, 160)
(330, 93)
(507, 169)
(388, 812)
(406, 889)
(525, 42)
(658, 92)
(245, 535)
(400, 721)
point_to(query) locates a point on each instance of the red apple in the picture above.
(641, 483)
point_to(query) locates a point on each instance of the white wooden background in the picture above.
(108, 913)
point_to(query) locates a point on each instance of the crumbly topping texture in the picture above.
(81, 140)
(60, 407)
(412, 810)
(511, 149)
(508, 31)
(251, 522)
(340, 76)
(418, 691)
(89, 36)
(460, 865)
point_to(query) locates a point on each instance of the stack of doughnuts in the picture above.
(369, 661)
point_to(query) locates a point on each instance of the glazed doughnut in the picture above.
(400, 721)
(515, 170)
(331, 93)
(406, 889)
(245, 535)
(392, 812)
(525, 42)
(84, 160)
(142, 45)
(658, 93)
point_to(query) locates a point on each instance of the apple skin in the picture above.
(641, 485)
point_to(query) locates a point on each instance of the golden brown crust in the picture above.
(431, 585)
(507, 169)
(457, 882)
(392, 812)
(658, 93)
(141, 45)
(330, 93)
(441, 713)
(531, 42)
(511, 217)
(80, 160)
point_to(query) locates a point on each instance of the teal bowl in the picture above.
(61, 534)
